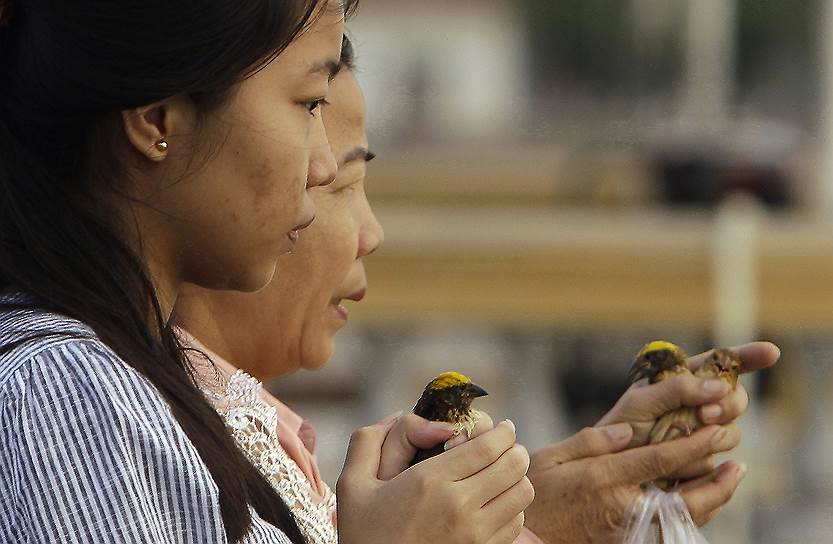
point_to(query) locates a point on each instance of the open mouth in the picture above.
(357, 296)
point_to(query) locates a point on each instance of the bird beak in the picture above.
(475, 391)
(639, 369)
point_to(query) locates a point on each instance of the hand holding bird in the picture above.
(659, 361)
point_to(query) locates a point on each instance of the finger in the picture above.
(501, 475)
(648, 402)
(365, 451)
(657, 461)
(484, 423)
(509, 532)
(476, 454)
(408, 435)
(695, 469)
(505, 507)
(707, 494)
(754, 356)
(726, 409)
(589, 442)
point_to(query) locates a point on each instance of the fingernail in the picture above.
(456, 441)
(618, 432)
(510, 424)
(741, 471)
(712, 412)
(713, 387)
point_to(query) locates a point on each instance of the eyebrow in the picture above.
(330, 67)
(358, 154)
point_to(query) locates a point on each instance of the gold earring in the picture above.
(161, 146)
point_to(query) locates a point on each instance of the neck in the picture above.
(195, 314)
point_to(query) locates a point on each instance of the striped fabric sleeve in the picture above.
(91, 454)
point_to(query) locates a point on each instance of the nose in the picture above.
(322, 167)
(371, 234)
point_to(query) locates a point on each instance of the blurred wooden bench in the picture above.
(584, 268)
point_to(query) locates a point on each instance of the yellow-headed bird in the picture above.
(661, 360)
(448, 398)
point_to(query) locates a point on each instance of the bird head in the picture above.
(449, 392)
(726, 364)
(654, 358)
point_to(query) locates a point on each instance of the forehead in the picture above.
(318, 46)
(344, 116)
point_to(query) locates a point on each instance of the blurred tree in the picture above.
(596, 45)
(778, 58)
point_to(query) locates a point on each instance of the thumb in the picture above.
(365, 450)
(408, 435)
(590, 442)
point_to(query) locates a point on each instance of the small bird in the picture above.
(448, 398)
(661, 360)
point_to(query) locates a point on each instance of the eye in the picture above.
(314, 105)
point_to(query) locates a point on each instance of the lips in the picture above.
(356, 296)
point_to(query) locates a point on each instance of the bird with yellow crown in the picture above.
(448, 398)
(661, 360)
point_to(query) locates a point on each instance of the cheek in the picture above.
(268, 161)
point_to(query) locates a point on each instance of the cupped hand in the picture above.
(476, 492)
(642, 404)
(585, 485)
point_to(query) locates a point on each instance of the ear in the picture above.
(150, 128)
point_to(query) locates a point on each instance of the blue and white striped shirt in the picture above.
(90, 451)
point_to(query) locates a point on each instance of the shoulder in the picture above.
(26, 333)
(75, 417)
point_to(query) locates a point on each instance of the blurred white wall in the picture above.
(449, 73)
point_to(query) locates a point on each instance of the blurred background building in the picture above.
(561, 181)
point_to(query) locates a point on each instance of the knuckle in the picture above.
(612, 520)
(345, 484)
(519, 459)
(423, 482)
(486, 420)
(411, 420)
(600, 472)
(662, 463)
(518, 525)
(527, 492)
(725, 493)
(361, 434)
(589, 436)
(491, 446)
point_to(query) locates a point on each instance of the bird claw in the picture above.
(684, 428)
(468, 423)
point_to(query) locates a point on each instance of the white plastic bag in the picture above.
(660, 517)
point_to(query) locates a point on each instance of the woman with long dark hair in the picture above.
(143, 145)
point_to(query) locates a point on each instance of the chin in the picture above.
(317, 357)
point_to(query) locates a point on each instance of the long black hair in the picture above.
(66, 71)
